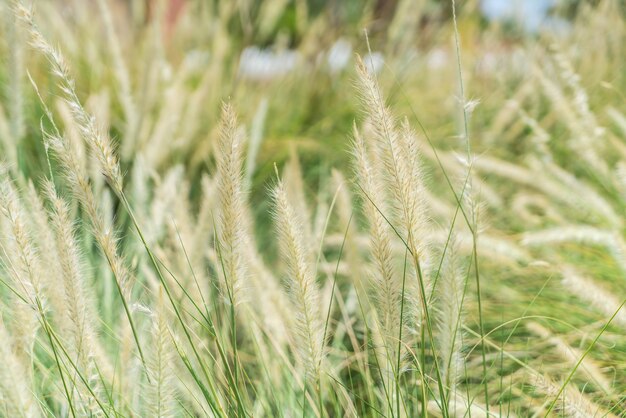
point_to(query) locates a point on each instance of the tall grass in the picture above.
(159, 257)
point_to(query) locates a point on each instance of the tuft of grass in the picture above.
(147, 270)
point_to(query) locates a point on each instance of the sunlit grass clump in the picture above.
(407, 229)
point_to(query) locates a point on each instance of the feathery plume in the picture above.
(450, 293)
(44, 236)
(98, 140)
(387, 283)
(403, 175)
(160, 392)
(231, 224)
(294, 187)
(573, 355)
(78, 321)
(104, 234)
(588, 291)
(23, 265)
(16, 392)
(308, 325)
(591, 203)
(571, 403)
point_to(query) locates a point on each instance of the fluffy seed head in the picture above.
(308, 327)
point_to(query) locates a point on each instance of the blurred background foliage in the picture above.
(287, 65)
